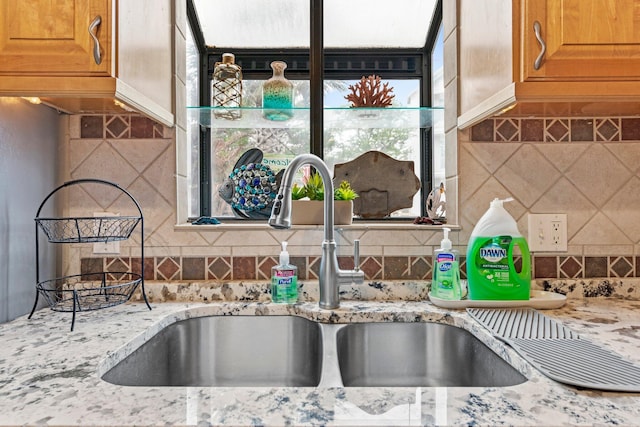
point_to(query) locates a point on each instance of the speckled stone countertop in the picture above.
(51, 376)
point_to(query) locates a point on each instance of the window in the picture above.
(404, 57)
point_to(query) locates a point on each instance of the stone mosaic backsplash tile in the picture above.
(567, 167)
(374, 267)
(119, 127)
(607, 129)
(587, 168)
(255, 268)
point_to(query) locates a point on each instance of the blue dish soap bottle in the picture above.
(446, 271)
(284, 280)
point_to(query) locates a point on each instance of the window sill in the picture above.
(357, 225)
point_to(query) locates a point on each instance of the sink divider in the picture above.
(331, 376)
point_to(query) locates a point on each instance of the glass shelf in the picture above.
(334, 118)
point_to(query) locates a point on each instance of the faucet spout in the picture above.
(330, 275)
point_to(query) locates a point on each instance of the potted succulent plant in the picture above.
(308, 202)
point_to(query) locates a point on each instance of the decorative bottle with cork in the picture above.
(226, 88)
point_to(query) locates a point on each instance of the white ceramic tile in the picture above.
(563, 197)
(449, 17)
(605, 250)
(600, 231)
(205, 251)
(302, 250)
(492, 155)
(300, 237)
(378, 237)
(155, 209)
(106, 163)
(450, 64)
(245, 238)
(562, 155)
(140, 153)
(182, 153)
(180, 45)
(451, 156)
(451, 102)
(527, 174)
(80, 149)
(598, 174)
(251, 250)
(349, 235)
(161, 251)
(160, 174)
(627, 153)
(622, 209)
(472, 175)
(182, 201)
(165, 235)
(181, 104)
(423, 250)
(452, 200)
(423, 236)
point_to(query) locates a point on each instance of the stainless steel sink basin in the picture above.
(279, 351)
(227, 351)
(418, 354)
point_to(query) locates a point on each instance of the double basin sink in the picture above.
(290, 351)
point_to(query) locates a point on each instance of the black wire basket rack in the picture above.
(93, 290)
(88, 229)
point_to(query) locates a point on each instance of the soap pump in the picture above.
(284, 279)
(446, 271)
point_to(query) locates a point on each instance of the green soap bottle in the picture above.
(491, 255)
(446, 271)
(284, 280)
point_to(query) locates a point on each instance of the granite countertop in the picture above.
(51, 376)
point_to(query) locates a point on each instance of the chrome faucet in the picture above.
(331, 276)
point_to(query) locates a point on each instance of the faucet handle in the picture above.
(356, 255)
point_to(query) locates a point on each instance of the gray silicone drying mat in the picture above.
(557, 351)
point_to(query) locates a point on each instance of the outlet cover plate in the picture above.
(547, 232)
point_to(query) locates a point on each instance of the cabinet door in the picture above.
(585, 40)
(51, 37)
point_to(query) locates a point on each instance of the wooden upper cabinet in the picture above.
(594, 39)
(44, 37)
(590, 65)
(90, 56)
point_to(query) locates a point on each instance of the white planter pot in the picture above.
(311, 212)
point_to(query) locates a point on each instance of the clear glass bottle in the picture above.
(277, 94)
(226, 88)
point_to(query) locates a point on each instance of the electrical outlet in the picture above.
(547, 232)
(109, 247)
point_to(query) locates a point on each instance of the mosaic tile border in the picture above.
(553, 129)
(123, 126)
(374, 267)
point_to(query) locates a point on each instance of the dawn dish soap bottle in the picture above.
(491, 270)
(446, 272)
(284, 280)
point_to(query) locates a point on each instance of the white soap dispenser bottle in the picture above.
(284, 280)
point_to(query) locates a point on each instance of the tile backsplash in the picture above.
(587, 168)
(190, 268)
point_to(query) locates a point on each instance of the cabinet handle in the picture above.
(96, 43)
(538, 62)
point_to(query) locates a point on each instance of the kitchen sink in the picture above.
(281, 351)
(231, 351)
(418, 354)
